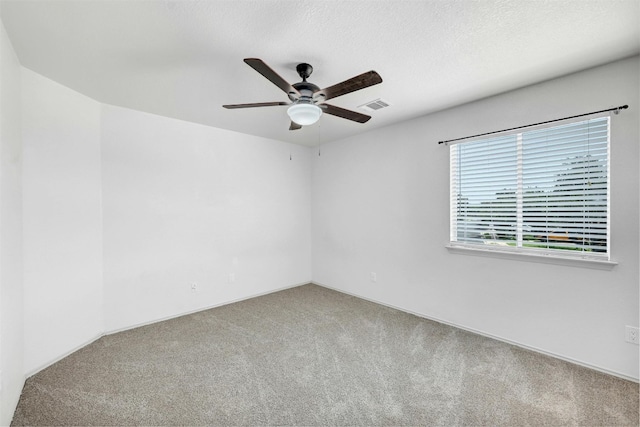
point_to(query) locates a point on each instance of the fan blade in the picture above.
(362, 81)
(345, 114)
(259, 104)
(294, 126)
(272, 76)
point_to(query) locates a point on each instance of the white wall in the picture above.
(187, 203)
(381, 204)
(11, 291)
(62, 220)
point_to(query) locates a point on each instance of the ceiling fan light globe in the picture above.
(304, 114)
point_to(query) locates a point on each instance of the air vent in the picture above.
(375, 105)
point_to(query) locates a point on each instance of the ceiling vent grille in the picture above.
(375, 105)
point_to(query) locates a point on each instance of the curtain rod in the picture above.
(616, 109)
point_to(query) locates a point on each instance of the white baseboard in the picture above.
(209, 307)
(32, 372)
(13, 399)
(435, 319)
(104, 333)
(484, 334)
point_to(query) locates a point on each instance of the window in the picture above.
(543, 191)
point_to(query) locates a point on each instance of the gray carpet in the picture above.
(312, 356)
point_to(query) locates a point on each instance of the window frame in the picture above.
(547, 255)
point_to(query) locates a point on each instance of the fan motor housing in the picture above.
(306, 90)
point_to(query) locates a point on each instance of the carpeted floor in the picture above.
(312, 356)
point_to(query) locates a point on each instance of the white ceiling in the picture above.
(183, 59)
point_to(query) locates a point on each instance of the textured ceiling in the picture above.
(183, 59)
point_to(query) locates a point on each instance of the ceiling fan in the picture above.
(308, 100)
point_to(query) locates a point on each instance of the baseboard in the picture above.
(6, 420)
(209, 307)
(484, 334)
(424, 316)
(115, 331)
(59, 358)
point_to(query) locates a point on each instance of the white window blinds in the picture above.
(539, 190)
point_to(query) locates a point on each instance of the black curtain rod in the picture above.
(616, 109)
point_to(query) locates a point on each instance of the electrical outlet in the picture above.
(374, 277)
(632, 334)
(232, 277)
(194, 287)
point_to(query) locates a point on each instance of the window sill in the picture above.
(527, 256)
